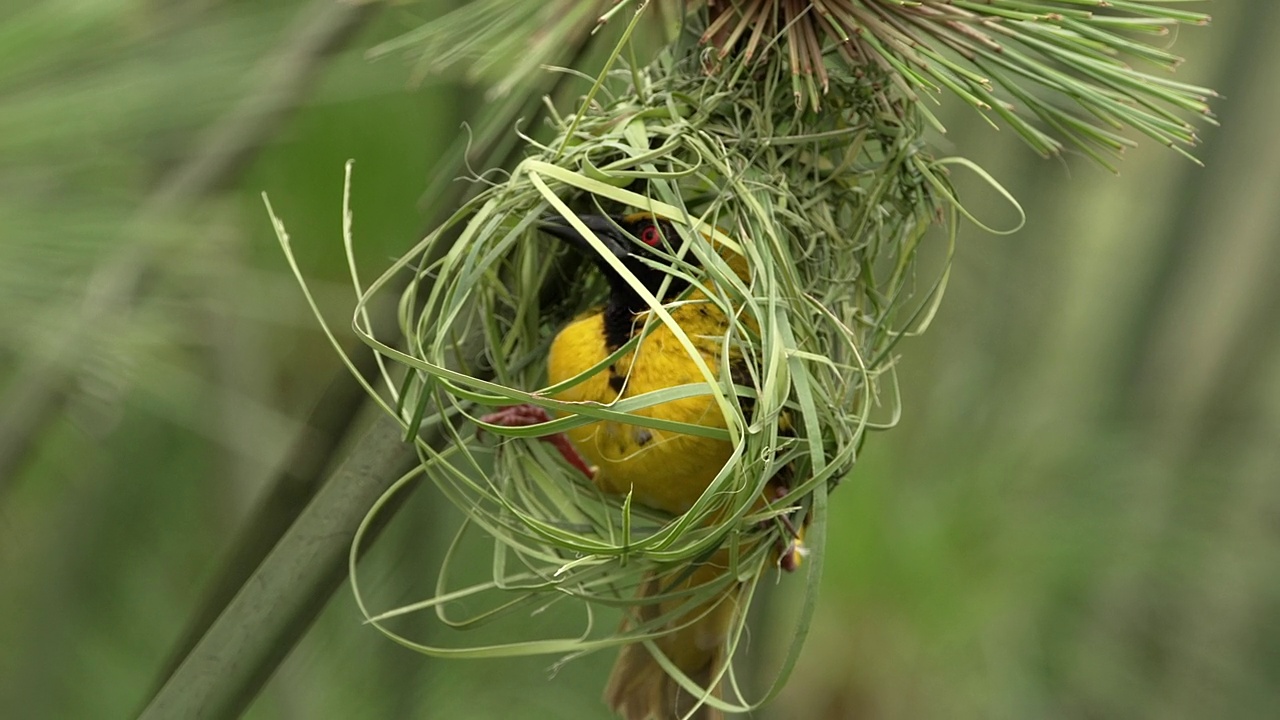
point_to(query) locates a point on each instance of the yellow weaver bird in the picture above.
(661, 469)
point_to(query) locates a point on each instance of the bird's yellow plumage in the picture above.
(661, 469)
(664, 470)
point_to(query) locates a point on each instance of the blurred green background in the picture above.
(1076, 518)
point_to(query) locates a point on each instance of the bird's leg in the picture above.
(793, 554)
(789, 556)
(525, 415)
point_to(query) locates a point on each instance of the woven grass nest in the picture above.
(829, 212)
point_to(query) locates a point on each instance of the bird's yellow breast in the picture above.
(665, 470)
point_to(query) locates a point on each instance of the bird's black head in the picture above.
(630, 238)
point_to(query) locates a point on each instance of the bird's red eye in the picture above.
(650, 236)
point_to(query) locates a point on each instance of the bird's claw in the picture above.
(792, 553)
(516, 416)
(526, 415)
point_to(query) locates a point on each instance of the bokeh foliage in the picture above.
(1074, 518)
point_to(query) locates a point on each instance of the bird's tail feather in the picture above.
(640, 689)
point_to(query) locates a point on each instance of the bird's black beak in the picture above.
(603, 227)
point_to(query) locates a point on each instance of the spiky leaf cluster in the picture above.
(1073, 67)
(1061, 73)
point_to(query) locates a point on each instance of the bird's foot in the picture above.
(527, 415)
(792, 553)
